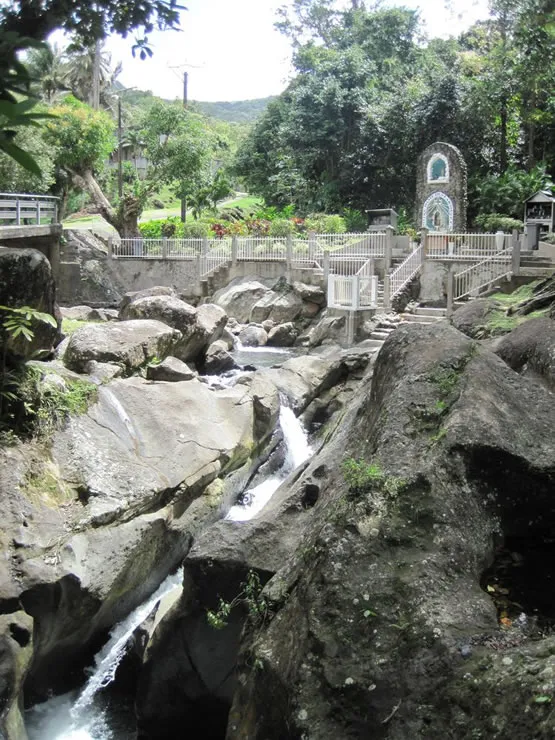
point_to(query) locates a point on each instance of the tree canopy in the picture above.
(370, 94)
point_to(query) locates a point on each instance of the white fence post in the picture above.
(388, 246)
(234, 250)
(356, 292)
(311, 245)
(386, 291)
(450, 292)
(515, 252)
(289, 252)
(326, 265)
(424, 242)
(164, 247)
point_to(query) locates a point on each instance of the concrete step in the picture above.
(410, 317)
(374, 343)
(382, 335)
(429, 311)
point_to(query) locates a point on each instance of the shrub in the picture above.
(497, 222)
(281, 227)
(354, 219)
(195, 229)
(324, 224)
(151, 229)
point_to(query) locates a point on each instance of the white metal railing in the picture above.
(482, 274)
(261, 249)
(218, 253)
(442, 246)
(405, 272)
(354, 292)
(139, 248)
(370, 244)
(20, 210)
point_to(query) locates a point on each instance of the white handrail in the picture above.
(406, 271)
(20, 208)
(482, 274)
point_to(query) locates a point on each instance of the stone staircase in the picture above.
(390, 322)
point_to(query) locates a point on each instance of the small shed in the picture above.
(379, 218)
(540, 209)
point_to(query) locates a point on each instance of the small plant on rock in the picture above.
(250, 596)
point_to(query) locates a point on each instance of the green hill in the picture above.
(236, 111)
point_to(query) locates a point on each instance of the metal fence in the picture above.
(17, 209)
(481, 275)
(216, 252)
(139, 248)
(404, 273)
(466, 246)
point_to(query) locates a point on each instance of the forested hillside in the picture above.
(236, 111)
(369, 95)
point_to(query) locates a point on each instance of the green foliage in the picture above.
(281, 227)
(490, 222)
(195, 229)
(84, 138)
(250, 596)
(16, 178)
(362, 478)
(354, 220)
(506, 193)
(325, 224)
(446, 380)
(18, 322)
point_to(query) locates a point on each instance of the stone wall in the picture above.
(455, 187)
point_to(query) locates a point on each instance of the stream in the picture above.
(89, 714)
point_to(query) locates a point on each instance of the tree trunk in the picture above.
(503, 143)
(125, 219)
(531, 129)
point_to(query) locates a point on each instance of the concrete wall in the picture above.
(433, 280)
(45, 239)
(138, 274)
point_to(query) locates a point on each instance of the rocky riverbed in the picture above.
(395, 583)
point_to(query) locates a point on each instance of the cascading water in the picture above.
(67, 718)
(297, 451)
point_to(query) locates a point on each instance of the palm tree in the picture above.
(81, 73)
(48, 70)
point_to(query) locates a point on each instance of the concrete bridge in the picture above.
(31, 221)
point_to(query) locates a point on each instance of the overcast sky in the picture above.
(233, 51)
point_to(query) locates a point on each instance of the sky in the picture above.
(232, 51)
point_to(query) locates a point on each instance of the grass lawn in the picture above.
(242, 200)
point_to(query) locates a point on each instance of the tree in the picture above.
(17, 179)
(25, 25)
(48, 72)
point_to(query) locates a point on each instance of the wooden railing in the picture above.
(17, 209)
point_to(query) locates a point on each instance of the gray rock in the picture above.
(328, 330)
(253, 335)
(166, 308)
(414, 545)
(530, 349)
(104, 314)
(228, 338)
(472, 318)
(310, 293)
(268, 325)
(88, 276)
(218, 360)
(103, 372)
(279, 307)
(283, 335)
(16, 653)
(136, 295)
(26, 280)
(129, 343)
(310, 310)
(171, 369)
(238, 298)
(301, 379)
(76, 313)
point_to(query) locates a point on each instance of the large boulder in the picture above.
(16, 652)
(87, 275)
(136, 295)
(26, 280)
(199, 327)
(218, 360)
(239, 297)
(472, 318)
(303, 378)
(530, 349)
(280, 307)
(128, 343)
(168, 309)
(95, 520)
(310, 293)
(253, 335)
(283, 335)
(171, 370)
(385, 622)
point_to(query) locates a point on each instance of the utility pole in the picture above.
(96, 77)
(185, 100)
(120, 151)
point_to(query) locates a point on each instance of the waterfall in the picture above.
(297, 450)
(62, 719)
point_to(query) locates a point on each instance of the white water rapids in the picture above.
(64, 718)
(297, 451)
